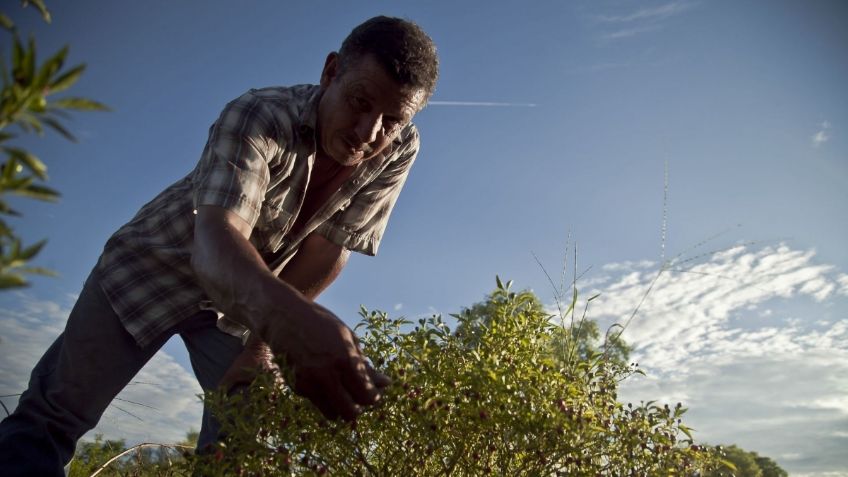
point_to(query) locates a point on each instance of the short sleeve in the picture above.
(359, 227)
(233, 170)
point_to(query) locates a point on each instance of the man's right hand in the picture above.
(328, 366)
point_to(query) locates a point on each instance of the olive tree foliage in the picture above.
(741, 463)
(581, 340)
(112, 458)
(494, 397)
(27, 105)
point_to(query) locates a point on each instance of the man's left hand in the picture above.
(255, 359)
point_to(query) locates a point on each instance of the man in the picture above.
(291, 179)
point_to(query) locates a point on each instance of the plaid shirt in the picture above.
(257, 164)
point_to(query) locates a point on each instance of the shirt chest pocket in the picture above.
(273, 225)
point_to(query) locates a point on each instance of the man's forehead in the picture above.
(407, 98)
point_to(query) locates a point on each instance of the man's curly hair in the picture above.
(400, 46)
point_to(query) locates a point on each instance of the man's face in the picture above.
(362, 110)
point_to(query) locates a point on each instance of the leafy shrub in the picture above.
(509, 393)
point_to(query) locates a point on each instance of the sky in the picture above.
(691, 150)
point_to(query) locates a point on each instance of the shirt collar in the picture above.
(309, 115)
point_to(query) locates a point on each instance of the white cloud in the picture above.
(628, 32)
(843, 284)
(648, 13)
(822, 135)
(772, 381)
(29, 326)
(398, 306)
(643, 20)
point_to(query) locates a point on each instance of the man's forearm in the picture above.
(234, 275)
(314, 268)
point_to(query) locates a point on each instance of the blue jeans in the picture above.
(85, 368)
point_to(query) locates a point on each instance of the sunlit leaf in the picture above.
(11, 280)
(30, 161)
(6, 22)
(38, 192)
(45, 272)
(28, 252)
(28, 64)
(80, 104)
(50, 68)
(42, 8)
(57, 126)
(18, 54)
(67, 79)
(5, 209)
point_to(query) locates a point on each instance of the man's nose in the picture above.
(368, 127)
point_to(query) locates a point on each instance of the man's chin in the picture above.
(351, 158)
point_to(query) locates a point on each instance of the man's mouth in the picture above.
(354, 149)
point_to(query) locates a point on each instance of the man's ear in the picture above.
(331, 69)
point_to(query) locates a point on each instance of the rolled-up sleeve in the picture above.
(360, 226)
(233, 170)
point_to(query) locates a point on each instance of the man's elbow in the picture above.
(317, 245)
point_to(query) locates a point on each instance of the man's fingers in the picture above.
(356, 378)
(342, 402)
(379, 379)
(327, 394)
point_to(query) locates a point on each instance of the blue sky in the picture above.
(745, 102)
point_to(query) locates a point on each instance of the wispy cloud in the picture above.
(822, 135)
(481, 104)
(642, 20)
(754, 342)
(166, 392)
(660, 12)
(628, 32)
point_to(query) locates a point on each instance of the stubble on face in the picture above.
(362, 111)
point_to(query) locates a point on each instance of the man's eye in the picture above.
(391, 125)
(359, 103)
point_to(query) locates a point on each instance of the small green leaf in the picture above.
(27, 121)
(30, 161)
(38, 192)
(42, 8)
(50, 68)
(28, 64)
(10, 168)
(5, 209)
(11, 280)
(67, 79)
(79, 104)
(45, 272)
(31, 251)
(6, 22)
(57, 126)
(18, 53)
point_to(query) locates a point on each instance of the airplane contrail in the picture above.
(481, 103)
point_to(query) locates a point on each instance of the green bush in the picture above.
(511, 392)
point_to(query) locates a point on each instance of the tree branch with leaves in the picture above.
(27, 103)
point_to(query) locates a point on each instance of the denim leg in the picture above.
(70, 388)
(211, 352)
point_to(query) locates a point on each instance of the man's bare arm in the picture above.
(322, 351)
